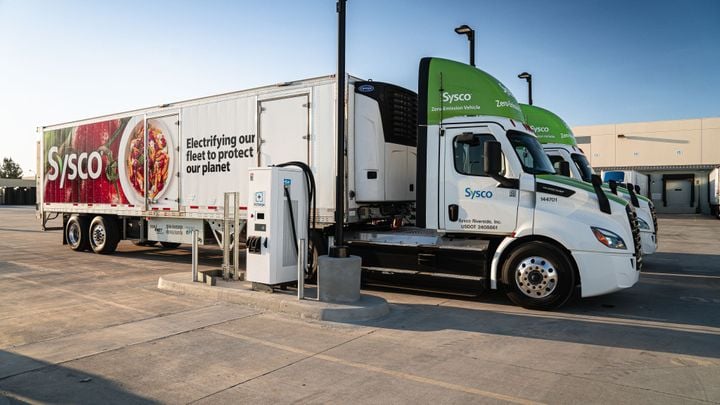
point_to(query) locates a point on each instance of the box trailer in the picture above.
(714, 191)
(163, 171)
(449, 184)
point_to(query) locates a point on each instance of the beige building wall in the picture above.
(657, 143)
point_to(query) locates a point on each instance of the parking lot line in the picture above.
(380, 370)
(681, 275)
(77, 294)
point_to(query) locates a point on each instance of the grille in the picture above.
(632, 218)
(653, 212)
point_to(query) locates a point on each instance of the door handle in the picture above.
(453, 212)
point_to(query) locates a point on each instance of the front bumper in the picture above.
(649, 242)
(604, 273)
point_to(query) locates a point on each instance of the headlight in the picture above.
(642, 224)
(609, 239)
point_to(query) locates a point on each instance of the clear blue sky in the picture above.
(593, 61)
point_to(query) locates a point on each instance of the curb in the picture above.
(367, 308)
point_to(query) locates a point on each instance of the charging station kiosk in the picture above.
(277, 219)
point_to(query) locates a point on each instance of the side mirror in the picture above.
(564, 168)
(637, 189)
(492, 156)
(596, 180)
(613, 186)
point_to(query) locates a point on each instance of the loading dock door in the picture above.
(284, 130)
(678, 193)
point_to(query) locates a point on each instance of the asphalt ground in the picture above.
(87, 328)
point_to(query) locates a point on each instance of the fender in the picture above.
(503, 246)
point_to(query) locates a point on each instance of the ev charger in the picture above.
(271, 246)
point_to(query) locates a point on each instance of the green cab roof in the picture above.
(548, 127)
(448, 89)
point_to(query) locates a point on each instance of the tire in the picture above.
(76, 233)
(104, 235)
(316, 248)
(170, 245)
(537, 275)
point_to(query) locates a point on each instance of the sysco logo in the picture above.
(451, 98)
(73, 165)
(366, 88)
(540, 129)
(475, 194)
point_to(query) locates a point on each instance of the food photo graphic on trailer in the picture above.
(123, 161)
(108, 163)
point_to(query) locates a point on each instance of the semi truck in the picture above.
(559, 143)
(714, 192)
(449, 183)
(642, 181)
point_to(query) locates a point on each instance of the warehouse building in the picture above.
(677, 156)
(17, 191)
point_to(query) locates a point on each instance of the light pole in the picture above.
(528, 77)
(339, 249)
(466, 30)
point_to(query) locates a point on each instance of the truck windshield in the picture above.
(531, 154)
(586, 171)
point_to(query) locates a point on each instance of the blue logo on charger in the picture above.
(260, 198)
(287, 182)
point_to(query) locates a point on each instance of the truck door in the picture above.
(470, 200)
(163, 164)
(284, 130)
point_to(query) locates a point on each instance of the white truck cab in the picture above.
(559, 143)
(485, 183)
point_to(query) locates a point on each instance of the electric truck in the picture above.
(448, 183)
(559, 143)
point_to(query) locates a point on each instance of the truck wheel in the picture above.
(316, 248)
(170, 245)
(76, 233)
(537, 275)
(104, 235)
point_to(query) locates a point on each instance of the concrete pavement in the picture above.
(86, 328)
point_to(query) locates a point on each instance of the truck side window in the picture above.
(468, 153)
(556, 161)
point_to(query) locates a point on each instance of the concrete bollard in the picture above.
(339, 279)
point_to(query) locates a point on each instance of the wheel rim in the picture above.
(73, 234)
(536, 277)
(98, 235)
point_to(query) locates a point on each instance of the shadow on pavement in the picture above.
(675, 309)
(49, 383)
(554, 326)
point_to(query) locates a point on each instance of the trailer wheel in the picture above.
(170, 245)
(316, 248)
(537, 275)
(76, 233)
(104, 235)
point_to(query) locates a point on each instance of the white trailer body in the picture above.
(714, 191)
(203, 149)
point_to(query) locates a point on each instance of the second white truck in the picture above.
(559, 143)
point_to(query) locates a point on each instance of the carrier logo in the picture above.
(366, 88)
(477, 194)
(451, 98)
